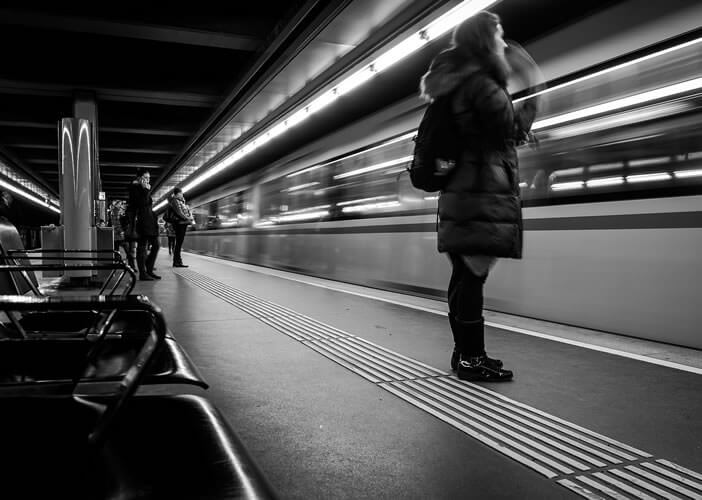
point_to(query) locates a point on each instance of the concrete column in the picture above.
(85, 107)
(76, 187)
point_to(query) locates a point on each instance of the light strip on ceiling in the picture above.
(610, 69)
(29, 197)
(399, 51)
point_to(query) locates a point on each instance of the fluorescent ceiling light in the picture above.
(633, 100)
(30, 197)
(371, 168)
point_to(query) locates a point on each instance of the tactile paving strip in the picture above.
(587, 463)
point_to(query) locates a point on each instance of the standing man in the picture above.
(183, 218)
(143, 219)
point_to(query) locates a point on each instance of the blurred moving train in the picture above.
(612, 197)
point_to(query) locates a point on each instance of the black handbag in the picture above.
(130, 231)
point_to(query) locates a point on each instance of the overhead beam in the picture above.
(165, 98)
(104, 174)
(42, 161)
(27, 124)
(30, 145)
(143, 131)
(127, 165)
(167, 34)
(154, 150)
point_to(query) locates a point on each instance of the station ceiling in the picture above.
(166, 78)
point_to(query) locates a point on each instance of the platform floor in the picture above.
(339, 391)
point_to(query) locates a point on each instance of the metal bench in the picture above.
(69, 444)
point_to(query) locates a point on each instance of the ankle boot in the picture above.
(469, 340)
(481, 369)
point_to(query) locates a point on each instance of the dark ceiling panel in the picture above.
(156, 72)
(161, 73)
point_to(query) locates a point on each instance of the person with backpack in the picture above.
(179, 215)
(480, 216)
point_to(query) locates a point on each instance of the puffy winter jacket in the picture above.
(480, 207)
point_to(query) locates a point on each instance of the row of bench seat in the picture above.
(71, 423)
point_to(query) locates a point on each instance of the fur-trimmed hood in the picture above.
(450, 68)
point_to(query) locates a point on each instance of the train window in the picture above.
(633, 130)
(234, 210)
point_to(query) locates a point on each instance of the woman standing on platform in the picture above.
(144, 226)
(480, 215)
(182, 218)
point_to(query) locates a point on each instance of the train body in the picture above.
(612, 195)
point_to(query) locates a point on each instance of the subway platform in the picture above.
(340, 391)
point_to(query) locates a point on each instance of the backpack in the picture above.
(436, 146)
(169, 215)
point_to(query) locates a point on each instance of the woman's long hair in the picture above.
(474, 39)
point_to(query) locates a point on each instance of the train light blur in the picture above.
(384, 144)
(371, 168)
(659, 176)
(371, 207)
(612, 68)
(682, 174)
(302, 216)
(625, 118)
(299, 186)
(604, 181)
(625, 102)
(642, 162)
(562, 186)
(362, 200)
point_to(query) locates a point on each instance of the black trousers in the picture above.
(146, 263)
(465, 301)
(179, 237)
